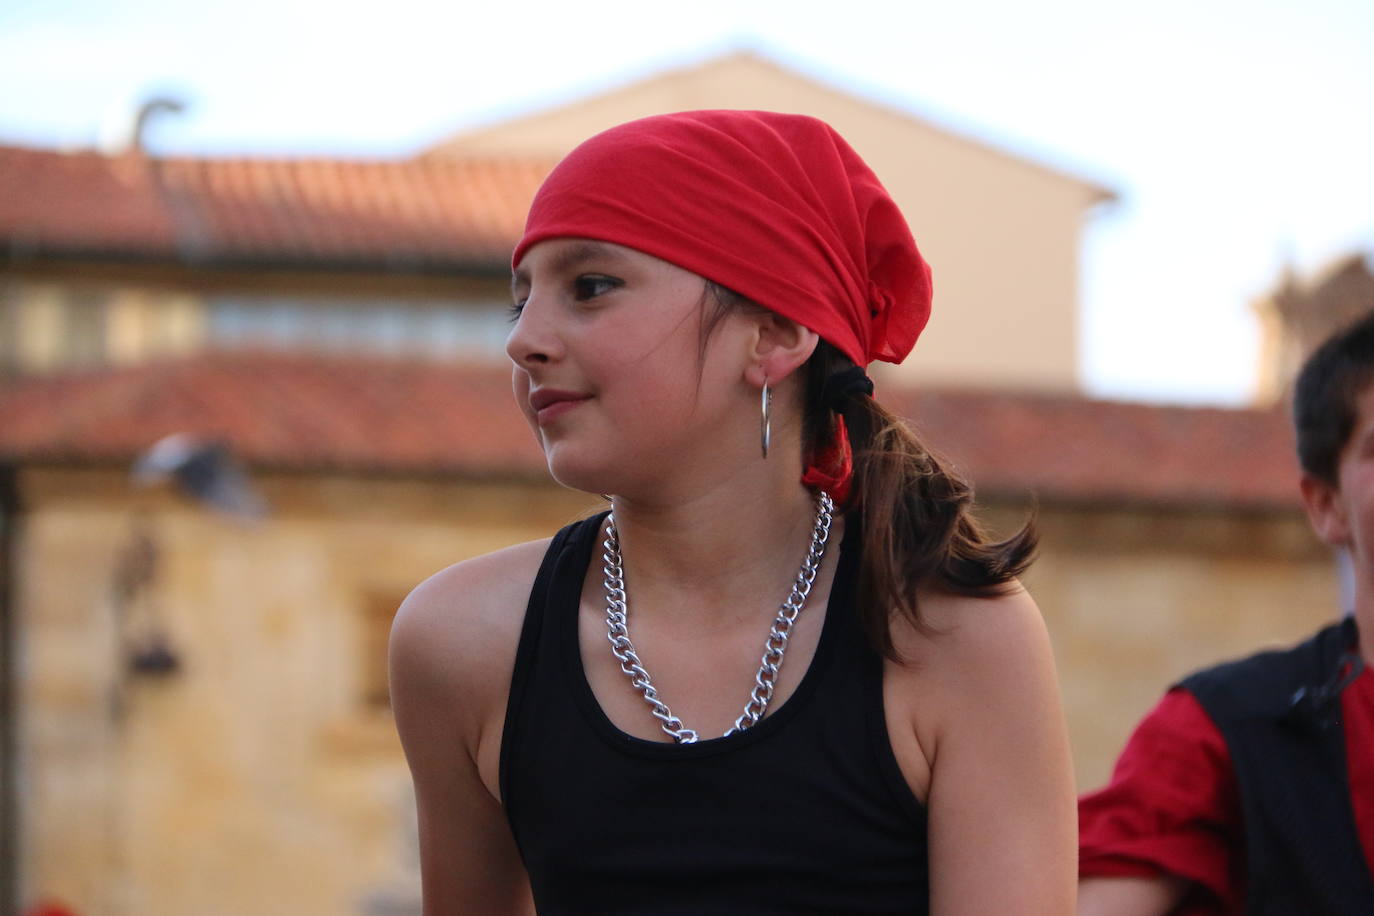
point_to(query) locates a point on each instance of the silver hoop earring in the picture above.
(766, 421)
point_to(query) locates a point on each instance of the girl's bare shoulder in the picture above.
(460, 627)
(980, 653)
(971, 630)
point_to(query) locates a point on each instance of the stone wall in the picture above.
(1135, 598)
(261, 776)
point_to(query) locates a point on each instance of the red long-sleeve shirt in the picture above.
(1171, 806)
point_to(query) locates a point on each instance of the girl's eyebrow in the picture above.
(569, 257)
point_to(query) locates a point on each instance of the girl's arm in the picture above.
(451, 656)
(1003, 821)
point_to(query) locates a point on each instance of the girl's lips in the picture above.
(555, 409)
(549, 404)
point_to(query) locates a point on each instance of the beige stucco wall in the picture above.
(1001, 232)
(257, 780)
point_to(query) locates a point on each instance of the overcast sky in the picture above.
(1238, 134)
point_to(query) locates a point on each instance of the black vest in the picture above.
(1280, 714)
(806, 812)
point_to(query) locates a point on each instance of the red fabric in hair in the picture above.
(833, 469)
(776, 207)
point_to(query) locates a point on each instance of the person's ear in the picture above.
(1325, 510)
(779, 346)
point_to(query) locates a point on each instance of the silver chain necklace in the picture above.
(617, 629)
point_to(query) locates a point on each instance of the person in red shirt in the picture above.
(1249, 788)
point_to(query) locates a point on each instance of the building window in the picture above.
(48, 327)
(417, 329)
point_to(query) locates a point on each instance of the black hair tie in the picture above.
(838, 389)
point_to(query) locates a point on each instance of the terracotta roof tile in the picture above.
(1072, 448)
(415, 418)
(286, 412)
(403, 214)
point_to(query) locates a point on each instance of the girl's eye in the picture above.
(589, 286)
(513, 313)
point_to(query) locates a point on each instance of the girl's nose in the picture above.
(533, 340)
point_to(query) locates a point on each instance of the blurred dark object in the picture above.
(205, 471)
(153, 656)
(125, 131)
(144, 643)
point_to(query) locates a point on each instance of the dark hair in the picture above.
(914, 512)
(1324, 396)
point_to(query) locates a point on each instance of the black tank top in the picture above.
(806, 812)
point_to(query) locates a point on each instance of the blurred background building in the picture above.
(196, 716)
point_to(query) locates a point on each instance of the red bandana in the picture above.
(776, 207)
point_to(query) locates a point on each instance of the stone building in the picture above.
(1301, 312)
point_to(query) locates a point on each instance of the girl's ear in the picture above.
(1325, 510)
(778, 347)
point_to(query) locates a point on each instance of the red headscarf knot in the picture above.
(832, 470)
(776, 207)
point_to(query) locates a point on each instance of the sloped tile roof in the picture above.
(377, 416)
(289, 412)
(402, 215)
(1078, 449)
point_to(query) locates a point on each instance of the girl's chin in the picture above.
(575, 474)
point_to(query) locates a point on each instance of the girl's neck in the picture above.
(721, 550)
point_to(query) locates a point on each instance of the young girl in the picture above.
(786, 672)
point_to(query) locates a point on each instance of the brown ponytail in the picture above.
(914, 512)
